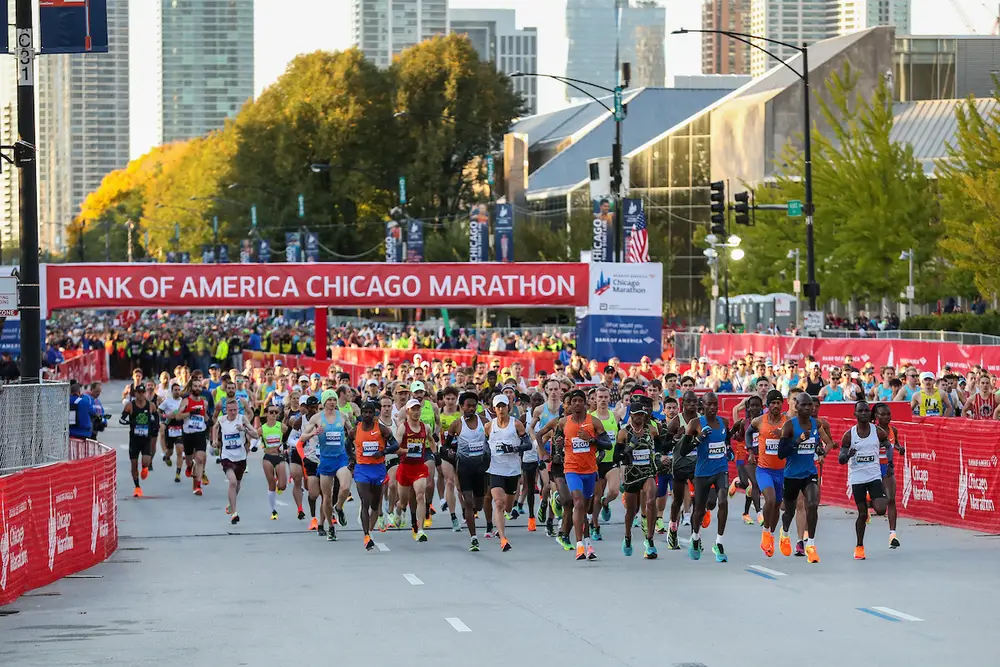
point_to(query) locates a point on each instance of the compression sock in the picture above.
(272, 498)
(718, 539)
(312, 507)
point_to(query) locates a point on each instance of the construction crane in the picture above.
(994, 29)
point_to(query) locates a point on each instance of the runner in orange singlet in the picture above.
(585, 437)
(770, 469)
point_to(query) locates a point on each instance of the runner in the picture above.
(449, 415)
(745, 469)
(507, 438)
(193, 411)
(709, 437)
(929, 400)
(333, 472)
(798, 447)
(232, 434)
(372, 441)
(430, 417)
(173, 434)
(391, 462)
(982, 404)
(606, 489)
(561, 500)
(466, 446)
(883, 417)
(272, 435)
(643, 463)
(683, 464)
(770, 469)
(140, 415)
(412, 473)
(860, 452)
(309, 453)
(293, 430)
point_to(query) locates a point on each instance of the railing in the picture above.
(959, 337)
(34, 425)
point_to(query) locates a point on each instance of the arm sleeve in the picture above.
(688, 443)
(525, 442)
(603, 442)
(391, 445)
(748, 438)
(786, 447)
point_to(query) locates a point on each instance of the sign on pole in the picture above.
(619, 107)
(302, 206)
(812, 320)
(402, 190)
(489, 170)
(794, 208)
(8, 296)
(253, 216)
(73, 26)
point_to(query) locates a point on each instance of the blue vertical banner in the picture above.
(414, 241)
(185, 258)
(479, 233)
(73, 26)
(503, 233)
(603, 248)
(393, 242)
(632, 211)
(293, 247)
(263, 248)
(312, 247)
(4, 37)
(222, 254)
(207, 254)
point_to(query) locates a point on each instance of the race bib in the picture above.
(272, 441)
(580, 446)
(333, 438)
(232, 441)
(477, 449)
(716, 450)
(141, 431)
(868, 458)
(174, 431)
(640, 457)
(807, 447)
(414, 450)
(197, 422)
(369, 447)
(771, 446)
(72, 417)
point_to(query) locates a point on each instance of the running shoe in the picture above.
(321, 531)
(341, 517)
(390, 521)
(509, 517)
(595, 534)
(859, 553)
(274, 515)
(166, 459)
(137, 493)
(540, 514)
(636, 521)
(421, 536)
(581, 553)
(505, 545)
(550, 529)
(369, 543)
(331, 536)
(188, 471)
(204, 479)
(591, 554)
(811, 555)
(893, 541)
(694, 549)
(428, 522)
(430, 510)
(197, 491)
(229, 508)
(314, 524)
(404, 522)
(706, 520)
(444, 505)
(520, 508)
(177, 478)
(532, 526)
(800, 548)
(747, 520)
(235, 520)
(564, 542)
(280, 490)
(785, 545)
(144, 474)
(672, 541)
(301, 515)
(626, 546)
(686, 521)
(760, 518)
(720, 553)
(557, 510)
(380, 524)
(455, 527)
(474, 544)
(605, 513)
(489, 531)
(650, 550)
(767, 543)
(660, 526)
(733, 487)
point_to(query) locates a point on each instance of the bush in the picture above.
(989, 323)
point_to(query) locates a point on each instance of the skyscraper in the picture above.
(808, 21)
(721, 54)
(9, 199)
(83, 126)
(495, 37)
(382, 29)
(206, 64)
(590, 29)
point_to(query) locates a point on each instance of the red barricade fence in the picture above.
(85, 368)
(830, 352)
(58, 519)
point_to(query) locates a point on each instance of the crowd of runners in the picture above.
(421, 443)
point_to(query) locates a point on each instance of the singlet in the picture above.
(544, 418)
(240, 409)
(813, 388)
(864, 466)
(802, 463)
(768, 437)
(414, 443)
(448, 420)
(195, 421)
(982, 407)
(368, 444)
(834, 394)
(611, 426)
(471, 442)
(271, 435)
(712, 450)
(929, 405)
(642, 447)
(885, 453)
(883, 393)
(692, 456)
(910, 391)
(140, 422)
(504, 464)
(725, 387)
(292, 434)
(579, 453)
(233, 440)
(169, 405)
(427, 415)
(331, 440)
(738, 444)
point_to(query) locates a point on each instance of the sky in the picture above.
(286, 28)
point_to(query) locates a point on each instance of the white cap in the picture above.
(702, 360)
(927, 375)
(303, 378)
(418, 386)
(855, 375)
(500, 399)
(814, 364)
(412, 403)
(372, 382)
(303, 399)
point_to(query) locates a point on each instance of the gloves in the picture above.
(437, 458)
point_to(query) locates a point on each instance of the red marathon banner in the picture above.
(359, 285)
(57, 520)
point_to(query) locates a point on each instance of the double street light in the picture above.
(812, 287)
(714, 257)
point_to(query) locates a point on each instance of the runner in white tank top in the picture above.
(507, 438)
(231, 434)
(859, 451)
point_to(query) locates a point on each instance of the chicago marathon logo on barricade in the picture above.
(973, 488)
(13, 553)
(916, 479)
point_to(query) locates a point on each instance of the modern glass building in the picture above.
(206, 65)
(382, 29)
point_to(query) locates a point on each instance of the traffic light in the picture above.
(719, 208)
(743, 207)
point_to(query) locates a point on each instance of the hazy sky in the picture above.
(285, 28)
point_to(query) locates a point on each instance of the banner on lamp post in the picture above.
(263, 251)
(414, 241)
(72, 26)
(479, 233)
(503, 242)
(393, 242)
(312, 247)
(293, 247)
(603, 246)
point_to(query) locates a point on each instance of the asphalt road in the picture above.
(187, 588)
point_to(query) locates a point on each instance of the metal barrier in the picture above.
(687, 345)
(959, 337)
(34, 425)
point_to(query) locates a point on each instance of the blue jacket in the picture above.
(83, 425)
(53, 356)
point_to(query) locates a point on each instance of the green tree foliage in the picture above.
(872, 201)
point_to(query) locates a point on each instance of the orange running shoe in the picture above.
(204, 479)
(505, 545)
(368, 542)
(137, 493)
(785, 545)
(581, 553)
(859, 553)
(707, 520)
(197, 491)
(314, 524)
(531, 524)
(811, 554)
(767, 543)
(145, 473)
(188, 471)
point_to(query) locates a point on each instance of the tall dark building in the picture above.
(721, 54)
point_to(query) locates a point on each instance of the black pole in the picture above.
(30, 306)
(107, 240)
(812, 289)
(727, 294)
(616, 186)
(83, 226)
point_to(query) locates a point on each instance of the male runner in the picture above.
(391, 462)
(173, 434)
(770, 474)
(411, 474)
(883, 417)
(507, 438)
(372, 441)
(860, 451)
(607, 472)
(194, 412)
(548, 412)
(301, 466)
(683, 464)
(745, 468)
(798, 448)
(232, 434)
(333, 472)
(446, 480)
(465, 443)
(709, 437)
(638, 441)
(139, 415)
(430, 416)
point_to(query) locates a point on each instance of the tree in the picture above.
(872, 200)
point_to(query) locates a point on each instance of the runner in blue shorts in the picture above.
(333, 472)
(770, 474)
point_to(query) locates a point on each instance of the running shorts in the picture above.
(768, 478)
(139, 447)
(311, 467)
(556, 470)
(369, 473)
(583, 482)
(683, 469)
(408, 473)
(329, 466)
(603, 469)
(888, 470)
(874, 489)
(195, 442)
(663, 484)
(293, 456)
(530, 467)
(471, 478)
(274, 459)
(794, 486)
(238, 467)
(508, 484)
(708, 489)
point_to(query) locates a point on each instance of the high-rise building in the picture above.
(9, 199)
(206, 64)
(83, 126)
(382, 29)
(721, 54)
(590, 29)
(808, 21)
(496, 38)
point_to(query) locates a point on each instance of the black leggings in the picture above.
(530, 472)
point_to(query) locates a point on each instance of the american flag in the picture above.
(637, 251)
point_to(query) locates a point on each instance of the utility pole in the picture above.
(130, 226)
(24, 158)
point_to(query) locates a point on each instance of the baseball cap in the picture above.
(213, 367)
(417, 386)
(303, 378)
(372, 382)
(927, 375)
(412, 403)
(315, 376)
(277, 362)
(500, 399)
(644, 358)
(702, 360)
(312, 400)
(304, 399)
(327, 395)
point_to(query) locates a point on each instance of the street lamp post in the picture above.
(908, 255)
(714, 257)
(797, 287)
(812, 287)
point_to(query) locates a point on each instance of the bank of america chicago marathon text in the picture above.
(201, 288)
